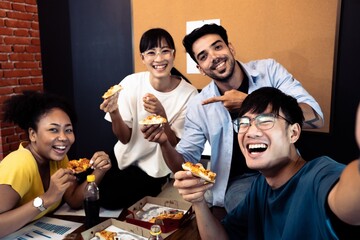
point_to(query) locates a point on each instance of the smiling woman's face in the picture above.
(54, 135)
(160, 65)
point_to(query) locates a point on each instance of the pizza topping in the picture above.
(153, 119)
(106, 235)
(112, 90)
(79, 166)
(171, 214)
(199, 171)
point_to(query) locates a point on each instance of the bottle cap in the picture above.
(155, 230)
(90, 178)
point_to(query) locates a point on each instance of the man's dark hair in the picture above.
(197, 33)
(258, 101)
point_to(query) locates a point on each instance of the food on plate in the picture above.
(171, 214)
(199, 171)
(80, 165)
(153, 119)
(106, 235)
(112, 90)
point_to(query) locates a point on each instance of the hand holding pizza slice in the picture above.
(199, 171)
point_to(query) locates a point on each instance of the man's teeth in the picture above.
(220, 65)
(260, 147)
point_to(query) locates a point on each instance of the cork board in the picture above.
(301, 35)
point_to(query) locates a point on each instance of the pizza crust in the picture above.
(153, 119)
(199, 171)
(112, 90)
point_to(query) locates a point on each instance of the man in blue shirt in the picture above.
(292, 198)
(210, 114)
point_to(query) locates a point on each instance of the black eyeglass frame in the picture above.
(236, 121)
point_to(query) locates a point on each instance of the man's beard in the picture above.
(219, 77)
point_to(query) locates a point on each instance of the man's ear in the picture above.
(200, 69)
(294, 132)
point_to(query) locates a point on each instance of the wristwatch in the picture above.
(39, 204)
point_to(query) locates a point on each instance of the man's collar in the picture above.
(251, 73)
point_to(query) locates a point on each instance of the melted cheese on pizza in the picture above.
(199, 171)
(153, 119)
(79, 165)
(112, 90)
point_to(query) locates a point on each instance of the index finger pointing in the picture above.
(212, 100)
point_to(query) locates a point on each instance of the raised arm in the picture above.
(312, 119)
(119, 127)
(344, 198)
(192, 189)
(231, 99)
(173, 159)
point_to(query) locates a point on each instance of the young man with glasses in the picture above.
(292, 198)
(210, 114)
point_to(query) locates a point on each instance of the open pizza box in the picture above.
(149, 207)
(125, 230)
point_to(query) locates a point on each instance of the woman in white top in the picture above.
(141, 168)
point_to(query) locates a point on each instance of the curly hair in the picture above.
(26, 109)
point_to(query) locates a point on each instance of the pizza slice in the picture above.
(172, 214)
(112, 90)
(106, 235)
(153, 119)
(79, 166)
(199, 171)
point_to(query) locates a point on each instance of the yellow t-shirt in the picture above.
(19, 170)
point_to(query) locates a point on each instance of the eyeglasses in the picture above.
(153, 53)
(262, 122)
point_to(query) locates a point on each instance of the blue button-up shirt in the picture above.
(212, 122)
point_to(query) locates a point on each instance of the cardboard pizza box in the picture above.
(114, 225)
(140, 212)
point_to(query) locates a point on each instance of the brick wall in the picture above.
(20, 61)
